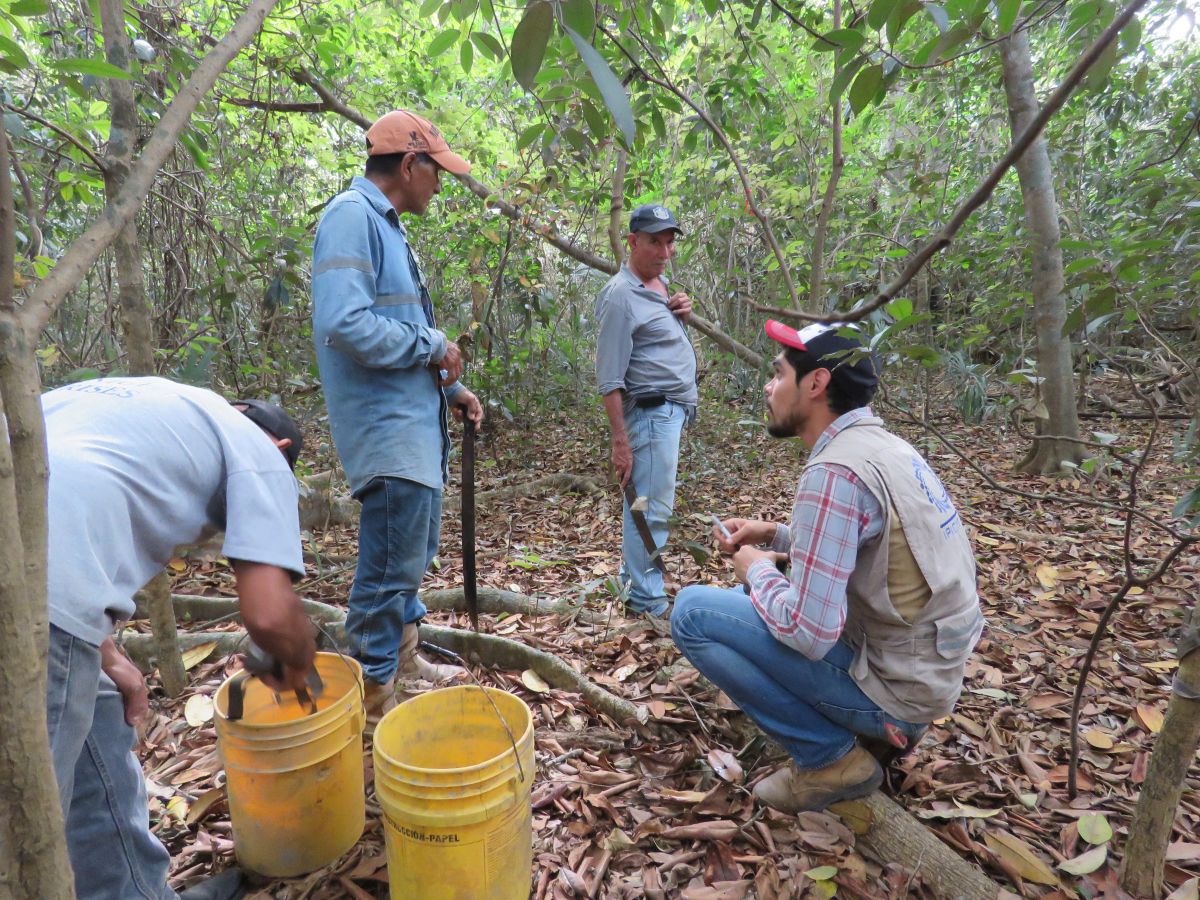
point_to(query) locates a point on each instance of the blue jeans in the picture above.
(654, 439)
(397, 540)
(100, 782)
(813, 708)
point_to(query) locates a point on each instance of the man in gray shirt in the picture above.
(646, 372)
(137, 467)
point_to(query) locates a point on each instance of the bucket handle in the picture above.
(362, 693)
(451, 655)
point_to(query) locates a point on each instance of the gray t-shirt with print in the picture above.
(140, 466)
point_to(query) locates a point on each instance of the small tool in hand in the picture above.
(721, 529)
(637, 512)
(259, 662)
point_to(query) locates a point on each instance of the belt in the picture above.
(649, 402)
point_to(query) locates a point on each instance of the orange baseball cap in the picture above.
(403, 132)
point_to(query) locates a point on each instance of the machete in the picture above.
(643, 527)
(468, 521)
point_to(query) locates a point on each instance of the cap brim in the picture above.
(451, 162)
(784, 334)
(656, 227)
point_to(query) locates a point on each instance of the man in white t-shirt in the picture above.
(139, 466)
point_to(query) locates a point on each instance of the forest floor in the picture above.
(665, 810)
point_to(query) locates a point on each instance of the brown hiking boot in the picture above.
(378, 700)
(414, 666)
(792, 790)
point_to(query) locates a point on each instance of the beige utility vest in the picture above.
(913, 614)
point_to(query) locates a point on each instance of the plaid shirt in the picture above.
(832, 516)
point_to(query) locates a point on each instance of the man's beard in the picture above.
(782, 428)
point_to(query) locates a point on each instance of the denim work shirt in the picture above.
(376, 339)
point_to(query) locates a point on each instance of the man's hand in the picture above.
(681, 305)
(276, 620)
(451, 363)
(128, 679)
(744, 532)
(466, 403)
(748, 556)
(622, 459)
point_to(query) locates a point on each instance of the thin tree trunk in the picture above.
(816, 289)
(616, 209)
(86, 249)
(33, 851)
(1174, 752)
(1050, 308)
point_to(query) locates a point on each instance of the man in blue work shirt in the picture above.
(646, 373)
(389, 377)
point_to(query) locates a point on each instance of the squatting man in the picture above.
(864, 641)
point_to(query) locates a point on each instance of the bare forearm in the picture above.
(614, 408)
(273, 614)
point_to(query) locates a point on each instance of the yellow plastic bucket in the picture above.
(456, 809)
(295, 780)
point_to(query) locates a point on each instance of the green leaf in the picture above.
(1086, 863)
(1006, 15)
(880, 10)
(30, 7)
(466, 56)
(529, 135)
(611, 89)
(710, 7)
(865, 86)
(579, 15)
(442, 42)
(1080, 265)
(899, 18)
(822, 873)
(938, 14)
(488, 45)
(528, 46)
(849, 39)
(596, 122)
(97, 67)
(900, 308)
(1094, 828)
(428, 7)
(844, 75)
(12, 52)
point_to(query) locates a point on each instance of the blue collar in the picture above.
(375, 197)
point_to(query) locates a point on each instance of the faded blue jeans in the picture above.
(397, 540)
(813, 708)
(654, 439)
(100, 783)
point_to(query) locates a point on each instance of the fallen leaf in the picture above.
(1149, 717)
(1021, 857)
(1094, 829)
(1047, 575)
(1163, 665)
(198, 709)
(202, 804)
(1189, 890)
(178, 808)
(962, 811)
(726, 766)
(534, 681)
(177, 565)
(198, 654)
(1086, 863)
(1101, 740)
(719, 830)
(822, 873)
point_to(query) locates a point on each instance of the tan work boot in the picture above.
(378, 700)
(414, 666)
(792, 790)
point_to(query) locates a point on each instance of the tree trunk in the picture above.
(1057, 386)
(33, 850)
(816, 285)
(1174, 752)
(136, 320)
(616, 209)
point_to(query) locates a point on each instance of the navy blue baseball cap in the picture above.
(652, 218)
(273, 420)
(830, 347)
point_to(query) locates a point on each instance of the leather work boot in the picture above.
(414, 666)
(792, 790)
(226, 886)
(378, 700)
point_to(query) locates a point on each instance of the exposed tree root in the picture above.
(487, 649)
(560, 481)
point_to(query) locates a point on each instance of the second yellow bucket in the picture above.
(295, 779)
(455, 794)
